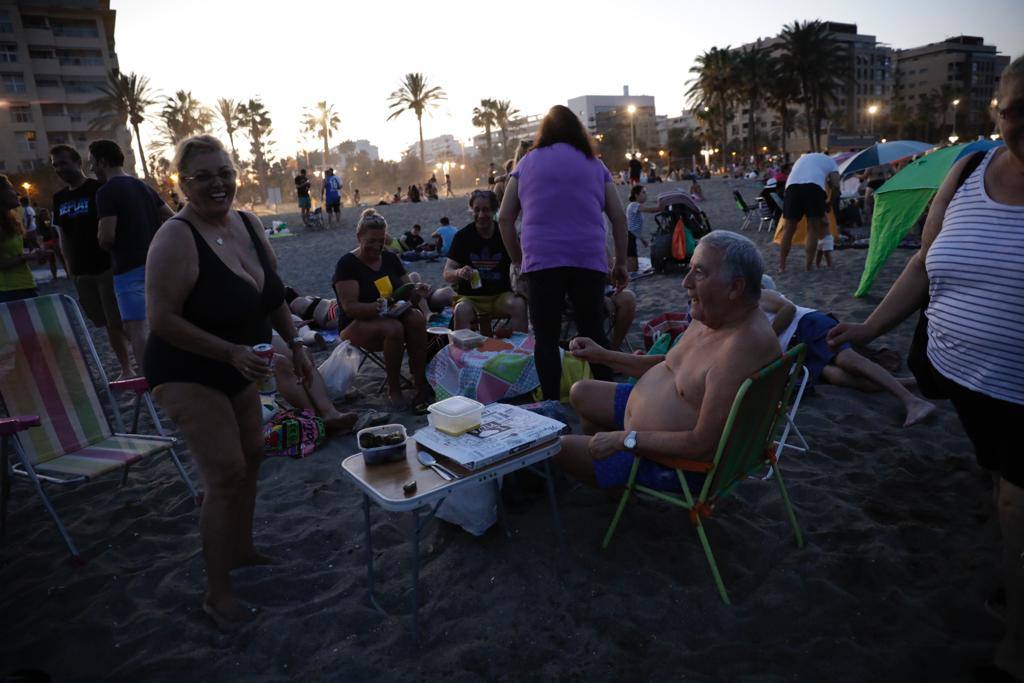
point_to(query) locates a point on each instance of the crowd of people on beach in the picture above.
(185, 293)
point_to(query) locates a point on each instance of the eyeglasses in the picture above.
(203, 177)
(1014, 113)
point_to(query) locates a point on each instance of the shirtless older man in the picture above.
(679, 406)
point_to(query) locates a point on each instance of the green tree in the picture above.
(754, 73)
(415, 96)
(715, 88)
(183, 116)
(483, 117)
(124, 101)
(504, 112)
(781, 90)
(322, 120)
(821, 66)
(228, 111)
(255, 120)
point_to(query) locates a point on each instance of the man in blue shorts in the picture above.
(681, 402)
(331, 194)
(129, 212)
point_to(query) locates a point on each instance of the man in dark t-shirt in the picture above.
(302, 183)
(129, 212)
(635, 169)
(88, 266)
(478, 265)
(412, 240)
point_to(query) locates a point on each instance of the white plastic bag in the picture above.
(473, 507)
(339, 370)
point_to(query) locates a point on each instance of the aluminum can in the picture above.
(474, 280)
(268, 385)
(382, 305)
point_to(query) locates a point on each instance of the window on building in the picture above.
(6, 25)
(80, 57)
(26, 141)
(47, 82)
(40, 52)
(13, 83)
(34, 21)
(3, 165)
(50, 109)
(21, 113)
(82, 86)
(8, 53)
(76, 28)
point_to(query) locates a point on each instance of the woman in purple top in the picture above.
(563, 191)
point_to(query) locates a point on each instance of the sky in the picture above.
(536, 54)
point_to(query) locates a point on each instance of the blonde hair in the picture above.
(9, 223)
(370, 220)
(197, 144)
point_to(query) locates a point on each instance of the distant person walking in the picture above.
(807, 196)
(16, 281)
(302, 185)
(635, 224)
(330, 193)
(448, 185)
(129, 212)
(86, 263)
(564, 193)
(635, 170)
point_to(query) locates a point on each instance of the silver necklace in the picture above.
(220, 241)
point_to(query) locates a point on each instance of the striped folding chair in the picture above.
(57, 429)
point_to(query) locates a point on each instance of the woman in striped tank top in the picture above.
(971, 264)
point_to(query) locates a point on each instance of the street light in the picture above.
(953, 138)
(28, 188)
(632, 127)
(872, 110)
(955, 104)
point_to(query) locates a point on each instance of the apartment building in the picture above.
(54, 56)
(963, 68)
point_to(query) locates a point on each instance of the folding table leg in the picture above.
(5, 486)
(369, 554)
(501, 510)
(415, 575)
(550, 485)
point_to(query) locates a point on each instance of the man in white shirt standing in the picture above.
(806, 195)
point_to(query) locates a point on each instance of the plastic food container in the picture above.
(467, 339)
(391, 452)
(456, 415)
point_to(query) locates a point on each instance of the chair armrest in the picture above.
(13, 425)
(702, 466)
(137, 384)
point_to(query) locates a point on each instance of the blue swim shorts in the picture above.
(812, 330)
(130, 289)
(613, 472)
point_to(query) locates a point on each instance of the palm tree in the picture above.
(255, 119)
(503, 115)
(483, 117)
(754, 73)
(228, 111)
(782, 89)
(714, 88)
(184, 116)
(415, 96)
(820, 64)
(321, 120)
(124, 101)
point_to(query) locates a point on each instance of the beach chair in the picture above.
(747, 211)
(767, 215)
(746, 445)
(376, 358)
(56, 428)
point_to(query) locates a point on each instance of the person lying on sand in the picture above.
(323, 313)
(842, 367)
(679, 406)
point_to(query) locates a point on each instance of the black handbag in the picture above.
(929, 382)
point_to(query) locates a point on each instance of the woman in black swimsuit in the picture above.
(212, 294)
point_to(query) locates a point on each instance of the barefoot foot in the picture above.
(339, 422)
(228, 614)
(253, 558)
(918, 411)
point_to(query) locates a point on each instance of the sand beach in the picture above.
(901, 548)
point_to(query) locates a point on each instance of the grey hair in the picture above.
(740, 259)
(370, 220)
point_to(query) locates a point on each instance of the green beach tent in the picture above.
(902, 200)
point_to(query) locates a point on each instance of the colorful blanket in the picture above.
(486, 376)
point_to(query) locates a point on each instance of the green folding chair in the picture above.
(746, 446)
(57, 429)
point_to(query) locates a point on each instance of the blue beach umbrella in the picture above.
(882, 153)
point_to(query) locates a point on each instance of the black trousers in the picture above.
(548, 290)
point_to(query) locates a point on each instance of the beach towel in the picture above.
(293, 434)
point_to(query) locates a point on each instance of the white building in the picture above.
(589, 107)
(442, 148)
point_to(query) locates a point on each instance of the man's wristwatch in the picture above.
(295, 343)
(629, 443)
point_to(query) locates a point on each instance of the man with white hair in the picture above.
(680, 404)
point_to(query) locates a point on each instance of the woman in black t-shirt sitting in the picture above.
(361, 278)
